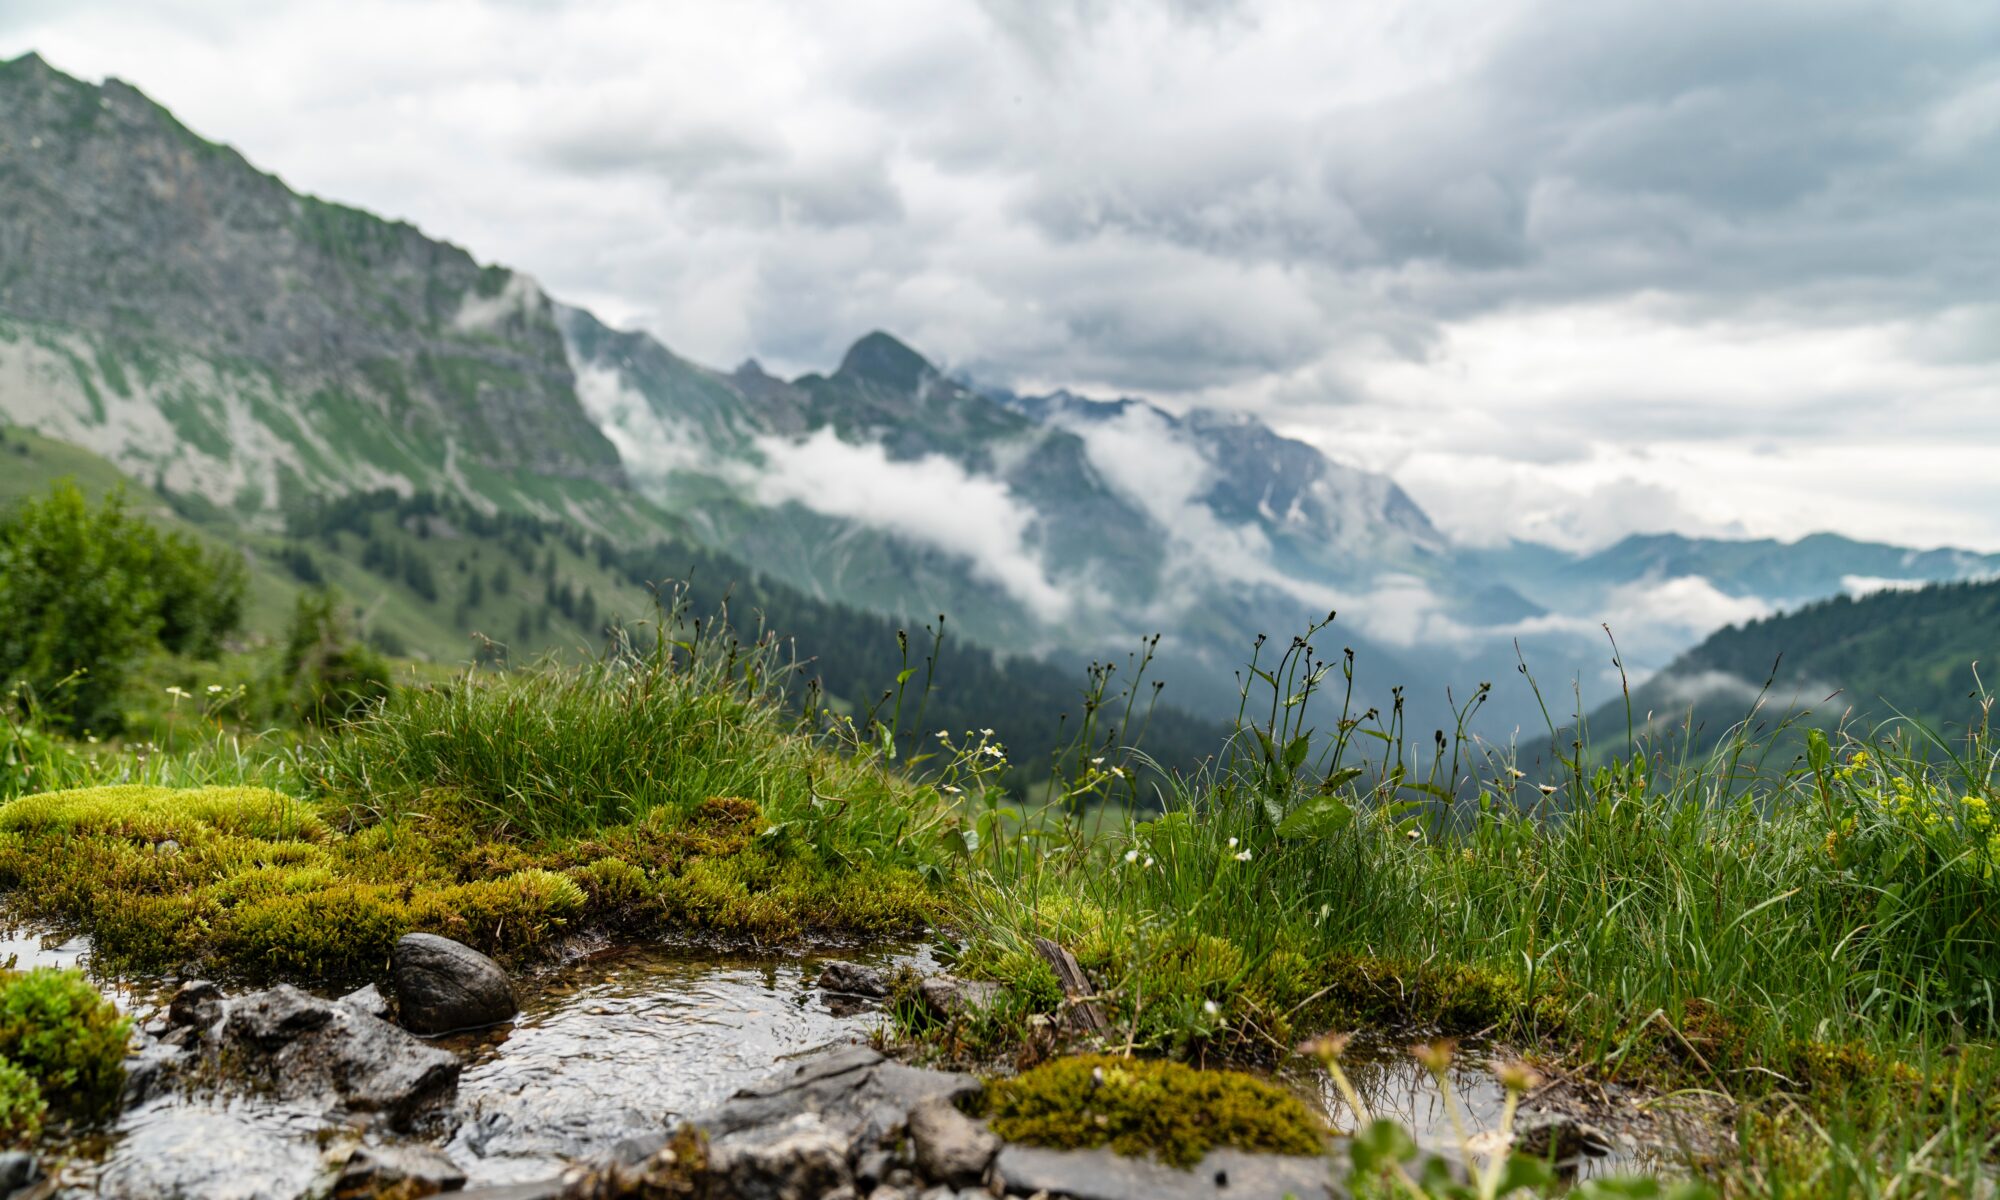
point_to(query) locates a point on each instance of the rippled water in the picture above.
(621, 1043)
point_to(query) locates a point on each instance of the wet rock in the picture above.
(406, 1172)
(443, 986)
(18, 1169)
(368, 1001)
(196, 1155)
(307, 1047)
(1102, 1175)
(951, 1148)
(853, 979)
(196, 1005)
(148, 1065)
(799, 1158)
(948, 996)
(857, 1091)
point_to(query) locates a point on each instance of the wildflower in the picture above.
(1547, 789)
(1232, 843)
(1327, 1048)
(214, 689)
(950, 790)
(1435, 1055)
(993, 751)
(1415, 835)
(1098, 761)
(1211, 1008)
(986, 733)
(179, 693)
(1242, 856)
(1131, 856)
(1516, 1075)
(1148, 864)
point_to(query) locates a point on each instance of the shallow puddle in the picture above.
(620, 1043)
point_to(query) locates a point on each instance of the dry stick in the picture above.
(1084, 1014)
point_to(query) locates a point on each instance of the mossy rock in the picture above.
(1174, 1112)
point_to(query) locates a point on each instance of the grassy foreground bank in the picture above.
(1821, 946)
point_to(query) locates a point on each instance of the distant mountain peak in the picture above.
(883, 359)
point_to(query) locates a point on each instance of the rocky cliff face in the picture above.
(167, 304)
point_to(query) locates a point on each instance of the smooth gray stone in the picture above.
(1102, 1175)
(444, 986)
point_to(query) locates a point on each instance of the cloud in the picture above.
(931, 500)
(1584, 254)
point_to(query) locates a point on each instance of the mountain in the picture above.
(169, 306)
(1778, 574)
(1919, 653)
(252, 352)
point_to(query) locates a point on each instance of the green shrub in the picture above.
(85, 590)
(324, 674)
(1137, 1107)
(69, 1040)
(21, 1106)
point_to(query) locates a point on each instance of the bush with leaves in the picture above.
(86, 589)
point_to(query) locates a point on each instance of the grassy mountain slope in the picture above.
(1916, 653)
(438, 580)
(189, 317)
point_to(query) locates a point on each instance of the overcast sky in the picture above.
(1566, 269)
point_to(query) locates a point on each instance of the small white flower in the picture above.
(1148, 864)
(995, 751)
(1243, 856)
(1097, 762)
(1414, 835)
(1232, 843)
(214, 689)
(1131, 856)
(986, 733)
(949, 790)
(1211, 1008)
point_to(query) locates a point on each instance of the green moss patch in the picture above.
(61, 1044)
(253, 883)
(1174, 1112)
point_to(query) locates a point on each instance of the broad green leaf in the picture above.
(1318, 818)
(1382, 1144)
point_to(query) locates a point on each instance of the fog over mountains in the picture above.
(167, 305)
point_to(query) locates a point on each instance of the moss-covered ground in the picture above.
(647, 794)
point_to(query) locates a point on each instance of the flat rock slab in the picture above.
(858, 1092)
(1102, 1175)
